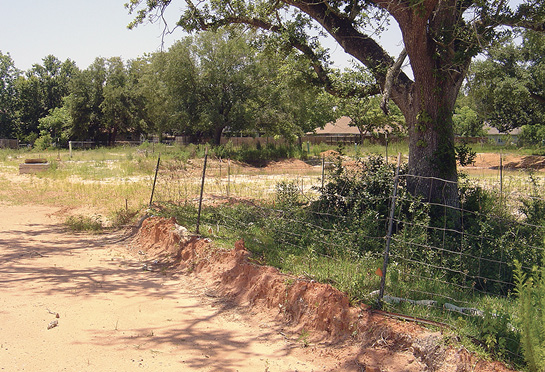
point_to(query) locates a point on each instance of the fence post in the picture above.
(386, 145)
(202, 189)
(228, 176)
(154, 180)
(389, 235)
(323, 171)
(501, 178)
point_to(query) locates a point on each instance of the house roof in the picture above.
(493, 131)
(341, 126)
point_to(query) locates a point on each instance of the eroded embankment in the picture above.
(319, 310)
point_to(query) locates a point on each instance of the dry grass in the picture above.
(105, 181)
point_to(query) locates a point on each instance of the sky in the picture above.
(82, 30)
(77, 29)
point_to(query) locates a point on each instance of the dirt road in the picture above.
(115, 316)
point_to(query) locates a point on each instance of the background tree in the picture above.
(467, 122)
(440, 39)
(8, 96)
(508, 87)
(499, 86)
(143, 93)
(154, 90)
(365, 112)
(210, 82)
(120, 105)
(83, 103)
(287, 104)
(55, 128)
(367, 115)
(42, 89)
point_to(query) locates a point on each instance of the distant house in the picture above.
(341, 131)
(337, 131)
(502, 138)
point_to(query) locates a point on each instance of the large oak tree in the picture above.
(440, 39)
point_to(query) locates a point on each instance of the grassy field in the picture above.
(116, 184)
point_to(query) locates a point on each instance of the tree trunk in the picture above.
(432, 159)
(112, 136)
(218, 131)
(429, 103)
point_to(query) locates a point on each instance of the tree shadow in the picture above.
(202, 346)
(36, 259)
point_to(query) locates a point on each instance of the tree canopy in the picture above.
(440, 39)
(202, 86)
(8, 77)
(508, 87)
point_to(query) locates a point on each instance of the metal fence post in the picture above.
(202, 189)
(154, 180)
(228, 176)
(501, 179)
(323, 172)
(386, 145)
(389, 235)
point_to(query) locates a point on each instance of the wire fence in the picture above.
(452, 264)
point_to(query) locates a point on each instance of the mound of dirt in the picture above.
(329, 154)
(372, 341)
(288, 164)
(509, 161)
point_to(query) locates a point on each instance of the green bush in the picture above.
(43, 142)
(257, 155)
(287, 195)
(531, 297)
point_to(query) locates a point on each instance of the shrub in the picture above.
(287, 195)
(531, 297)
(257, 155)
(350, 191)
(122, 217)
(43, 142)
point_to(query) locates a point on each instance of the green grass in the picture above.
(84, 223)
(117, 183)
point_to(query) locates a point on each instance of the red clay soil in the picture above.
(314, 313)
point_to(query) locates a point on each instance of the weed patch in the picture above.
(84, 223)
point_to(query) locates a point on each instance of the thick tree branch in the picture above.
(528, 25)
(391, 75)
(360, 46)
(538, 97)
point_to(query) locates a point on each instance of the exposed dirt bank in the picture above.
(312, 313)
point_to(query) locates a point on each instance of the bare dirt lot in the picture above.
(75, 302)
(115, 316)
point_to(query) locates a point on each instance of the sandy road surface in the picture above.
(114, 316)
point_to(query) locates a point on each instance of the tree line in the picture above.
(203, 86)
(213, 84)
